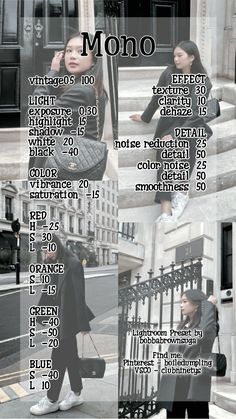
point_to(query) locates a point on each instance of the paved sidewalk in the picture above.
(100, 399)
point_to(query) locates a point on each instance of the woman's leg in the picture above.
(198, 410)
(178, 410)
(166, 212)
(65, 356)
(180, 199)
(166, 207)
(58, 363)
(73, 367)
(163, 198)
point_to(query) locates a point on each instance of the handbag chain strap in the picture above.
(218, 343)
(93, 346)
(97, 106)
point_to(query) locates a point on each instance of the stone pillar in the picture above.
(86, 15)
(207, 26)
(233, 335)
(197, 25)
(231, 39)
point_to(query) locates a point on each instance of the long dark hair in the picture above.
(191, 49)
(194, 297)
(96, 70)
(63, 254)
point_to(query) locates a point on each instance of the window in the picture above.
(97, 204)
(41, 208)
(108, 208)
(103, 235)
(79, 203)
(97, 218)
(25, 212)
(8, 208)
(127, 231)
(80, 220)
(98, 235)
(226, 261)
(114, 237)
(108, 236)
(103, 206)
(52, 213)
(98, 254)
(71, 224)
(90, 232)
(108, 195)
(89, 206)
(70, 202)
(103, 220)
(61, 218)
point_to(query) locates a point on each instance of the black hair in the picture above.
(194, 296)
(96, 70)
(63, 254)
(191, 49)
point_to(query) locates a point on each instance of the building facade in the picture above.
(87, 222)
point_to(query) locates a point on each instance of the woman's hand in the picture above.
(84, 332)
(213, 299)
(167, 137)
(56, 61)
(136, 117)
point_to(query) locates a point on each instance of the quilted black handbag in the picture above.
(91, 367)
(90, 163)
(221, 365)
(213, 109)
(219, 362)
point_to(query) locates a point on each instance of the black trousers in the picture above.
(194, 409)
(166, 196)
(65, 357)
(181, 404)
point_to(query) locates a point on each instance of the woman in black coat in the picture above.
(186, 61)
(77, 95)
(191, 393)
(74, 316)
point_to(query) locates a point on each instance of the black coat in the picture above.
(74, 314)
(166, 125)
(199, 386)
(75, 96)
